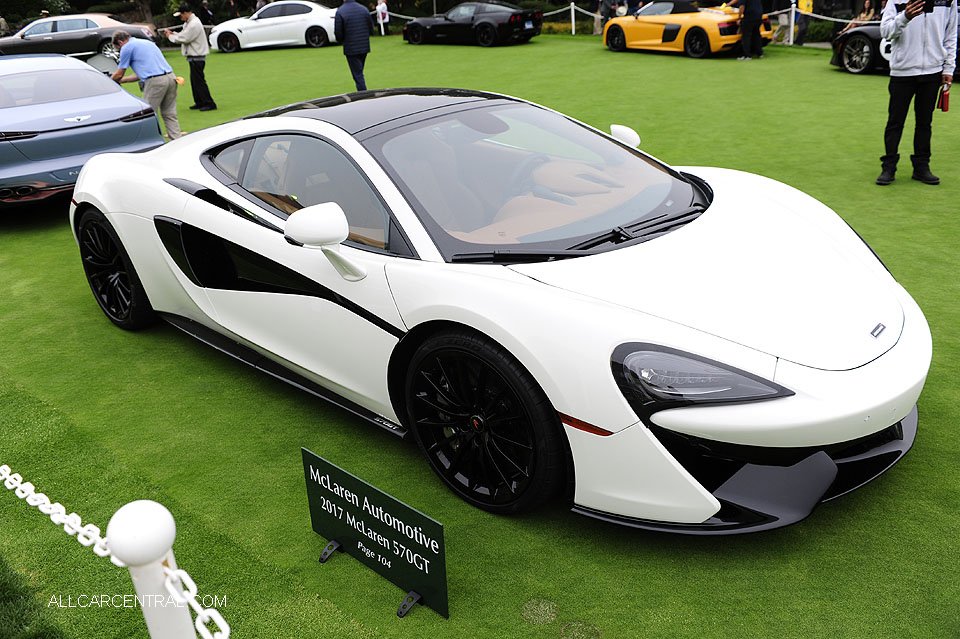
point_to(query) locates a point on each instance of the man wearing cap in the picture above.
(194, 47)
(159, 83)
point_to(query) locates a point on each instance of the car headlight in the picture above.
(654, 378)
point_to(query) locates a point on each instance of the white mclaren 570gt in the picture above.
(544, 308)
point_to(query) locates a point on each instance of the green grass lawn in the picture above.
(97, 417)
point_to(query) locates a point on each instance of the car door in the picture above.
(265, 27)
(36, 39)
(460, 27)
(289, 300)
(74, 35)
(295, 17)
(648, 30)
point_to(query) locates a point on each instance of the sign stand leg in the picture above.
(408, 602)
(329, 550)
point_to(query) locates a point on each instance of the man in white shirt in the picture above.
(194, 47)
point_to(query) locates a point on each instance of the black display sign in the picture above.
(397, 541)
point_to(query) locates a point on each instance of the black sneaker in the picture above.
(924, 175)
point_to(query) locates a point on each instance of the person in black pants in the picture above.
(353, 26)
(922, 60)
(751, 15)
(193, 45)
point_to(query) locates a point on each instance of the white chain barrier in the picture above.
(88, 535)
(188, 595)
(143, 533)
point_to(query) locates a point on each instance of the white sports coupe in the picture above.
(297, 22)
(544, 308)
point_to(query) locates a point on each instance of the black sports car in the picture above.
(485, 23)
(862, 50)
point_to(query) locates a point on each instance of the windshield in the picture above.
(38, 87)
(520, 177)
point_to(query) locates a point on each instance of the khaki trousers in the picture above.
(161, 93)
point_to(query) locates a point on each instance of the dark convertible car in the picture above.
(862, 50)
(483, 23)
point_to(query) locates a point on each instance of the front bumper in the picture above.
(760, 488)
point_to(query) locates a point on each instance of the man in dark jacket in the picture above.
(353, 25)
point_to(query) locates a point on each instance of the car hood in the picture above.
(765, 266)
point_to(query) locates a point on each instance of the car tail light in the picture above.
(139, 115)
(146, 32)
(728, 28)
(17, 135)
(514, 18)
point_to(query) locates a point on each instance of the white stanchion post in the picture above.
(793, 13)
(573, 18)
(141, 535)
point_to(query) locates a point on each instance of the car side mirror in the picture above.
(325, 227)
(625, 134)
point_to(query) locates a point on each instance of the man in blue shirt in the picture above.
(159, 83)
(353, 25)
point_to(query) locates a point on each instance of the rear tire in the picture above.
(110, 273)
(486, 35)
(106, 48)
(696, 44)
(616, 40)
(484, 424)
(317, 37)
(228, 43)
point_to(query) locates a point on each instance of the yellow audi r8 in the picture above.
(679, 25)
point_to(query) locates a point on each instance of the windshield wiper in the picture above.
(509, 256)
(644, 230)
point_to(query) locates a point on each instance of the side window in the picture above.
(231, 158)
(462, 11)
(73, 24)
(40, 29)
(295, 9)
(290, 172)
(270, 12)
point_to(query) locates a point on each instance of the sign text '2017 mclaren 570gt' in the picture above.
(546, 310)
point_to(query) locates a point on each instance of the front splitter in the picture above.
(756, 496)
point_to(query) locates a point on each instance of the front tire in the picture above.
(317, 37)
(696, 44)
(857, 54)
(616, 40)
(486, 427)
(486, 35)
(415, 35)
(228, 43)
(110, 273)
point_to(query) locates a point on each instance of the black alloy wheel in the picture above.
(857, 54)
(228, 43)
(110, 273)
(316, 37)
(415, 35)
(696, 44)
(483, 422)
(486, 35)
(616, 40)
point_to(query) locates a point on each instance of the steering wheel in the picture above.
(521, 179)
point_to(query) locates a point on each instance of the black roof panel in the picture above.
(354, 112)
